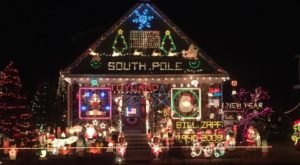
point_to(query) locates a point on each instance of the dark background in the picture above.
(254, 41)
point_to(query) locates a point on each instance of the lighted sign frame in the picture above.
(178, 92)
(105, 95)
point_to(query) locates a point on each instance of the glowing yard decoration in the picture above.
(296, 136)
(90, 132)
(185, 103)
(142, 19)
(75, 129)
(208, 150)
(43, 154)
(62, 142)
(95, 103)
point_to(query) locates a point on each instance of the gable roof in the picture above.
(144, 41)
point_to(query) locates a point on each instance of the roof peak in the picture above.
(145, 1)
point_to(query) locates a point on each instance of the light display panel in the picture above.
(186, 103)
(95, 103)
(145, 39)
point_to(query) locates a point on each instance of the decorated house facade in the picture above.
(145, 74)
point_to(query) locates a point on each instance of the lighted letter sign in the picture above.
(186, 103)
(95, 103)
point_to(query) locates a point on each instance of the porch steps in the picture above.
(138, 149)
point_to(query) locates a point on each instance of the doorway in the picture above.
(134, 114)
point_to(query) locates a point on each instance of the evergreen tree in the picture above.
(42, 105)
(61, 101)
(15, 116)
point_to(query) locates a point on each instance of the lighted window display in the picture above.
(95, 103)
(186, 103)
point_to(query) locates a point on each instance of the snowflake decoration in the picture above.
(143, 20)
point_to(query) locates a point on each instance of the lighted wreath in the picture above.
(132, 121)
(185, 103)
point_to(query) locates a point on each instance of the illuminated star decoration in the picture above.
(161, 97)
(143, 20)
(95, 122)
(102, 125)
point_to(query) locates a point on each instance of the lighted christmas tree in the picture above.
(167, 44)
(120, 43)
(15, 117)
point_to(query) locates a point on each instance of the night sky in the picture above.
(255, 42)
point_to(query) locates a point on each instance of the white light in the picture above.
(95, 122)
(90, 131)
(195, 83)
(239, 117)
(233, 92)
(43, 153)
(63, 135)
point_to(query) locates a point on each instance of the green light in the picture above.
(125, 46)
(94, 82)
(194, 64)
(163, 43)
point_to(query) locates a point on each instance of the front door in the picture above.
(134, 112)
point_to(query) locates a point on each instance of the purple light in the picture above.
(102, 94)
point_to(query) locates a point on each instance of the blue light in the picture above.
(83, 108)
(87, 94)
(217, 94)
(102, 94)
(107, 107)
(143, 20)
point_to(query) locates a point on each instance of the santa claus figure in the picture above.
(251, 136)
(186, 103)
